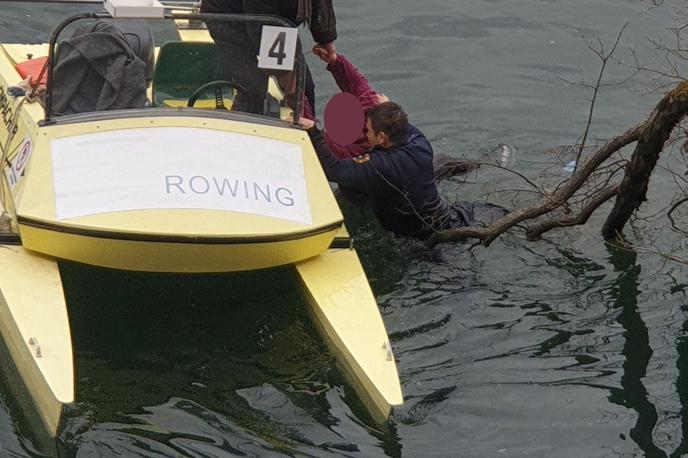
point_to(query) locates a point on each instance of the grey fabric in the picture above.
(447, 167)
(304, 11)
(97, 70)
(140, 37)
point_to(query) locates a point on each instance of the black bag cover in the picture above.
(96, 69)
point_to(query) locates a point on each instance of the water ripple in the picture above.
(462, 27)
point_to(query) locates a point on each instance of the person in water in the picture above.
(350, 80)
(239, 45)
(397, 175)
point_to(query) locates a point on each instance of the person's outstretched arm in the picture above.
(345, 172)
(351, 80)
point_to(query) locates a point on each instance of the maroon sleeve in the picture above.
(351, 80)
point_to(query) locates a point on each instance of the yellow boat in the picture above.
(169, 187)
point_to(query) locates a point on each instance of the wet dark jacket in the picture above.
(399, 182)
(323, 24)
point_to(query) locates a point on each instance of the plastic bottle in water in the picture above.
(505, 155)
(570, 167)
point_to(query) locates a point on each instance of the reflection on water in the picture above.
(157, 354)
(202, 366)
(636, 350)
(682, 414)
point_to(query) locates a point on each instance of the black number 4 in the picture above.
(277, 48)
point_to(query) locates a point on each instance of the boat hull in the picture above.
(346, 311)
(177, 255)
(182, 210)
(35, 328)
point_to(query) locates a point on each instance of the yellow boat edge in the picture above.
(345, 309)
(41, 350)
(159, 255)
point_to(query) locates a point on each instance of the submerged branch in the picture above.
(671, 217)
(593, 203)
(656, 131)
(650, 136)
(547, 203)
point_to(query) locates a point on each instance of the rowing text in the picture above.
(225, 187)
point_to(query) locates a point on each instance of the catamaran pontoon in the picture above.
(164, 186)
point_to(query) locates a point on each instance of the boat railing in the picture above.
(188, 16)
(176, 4)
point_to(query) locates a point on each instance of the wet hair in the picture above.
(390, 118)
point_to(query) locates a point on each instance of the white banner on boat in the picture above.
(178, 167)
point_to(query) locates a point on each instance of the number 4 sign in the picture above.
(277, 47)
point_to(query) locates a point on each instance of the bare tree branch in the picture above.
(624, 245)
(605, 58)
(671, 210)
(547, 203)
(522, 176)
(656, 130)
(598, 199)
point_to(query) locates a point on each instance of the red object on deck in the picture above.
(33, 67)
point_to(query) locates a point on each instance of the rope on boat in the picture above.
(34, 89)
(5, 217)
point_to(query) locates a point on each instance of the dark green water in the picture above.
(560, 348)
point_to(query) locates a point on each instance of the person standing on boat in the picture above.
(397, 175)
(240, 45)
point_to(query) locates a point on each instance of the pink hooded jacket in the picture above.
(351, 80)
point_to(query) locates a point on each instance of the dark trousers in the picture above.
(238, 48)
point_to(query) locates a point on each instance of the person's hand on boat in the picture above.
(306, 123)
